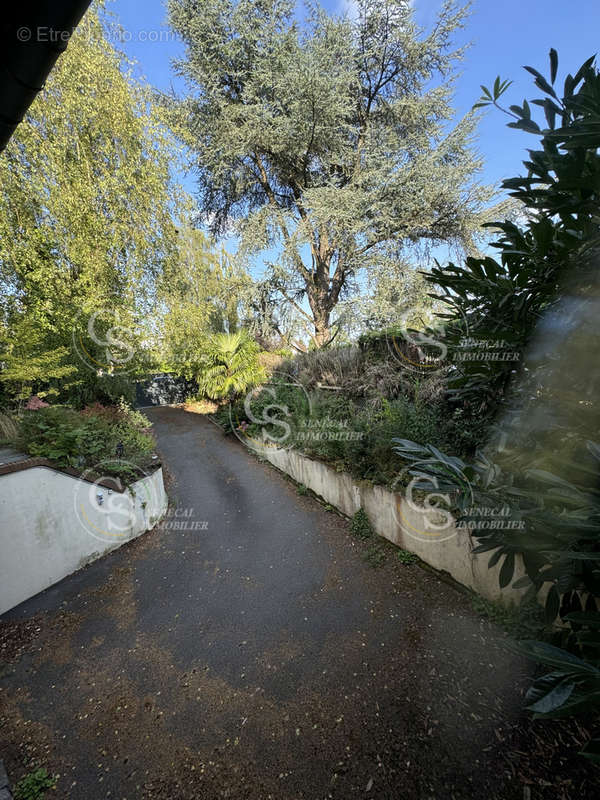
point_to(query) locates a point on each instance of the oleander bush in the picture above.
(545, 464)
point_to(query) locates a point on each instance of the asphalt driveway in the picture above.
(246, 649)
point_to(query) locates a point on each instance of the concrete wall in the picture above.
(51, 524)
(391, 516)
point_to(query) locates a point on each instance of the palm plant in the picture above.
(230, 365)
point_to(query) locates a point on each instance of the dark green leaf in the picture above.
(552, 605)
(553, 64)
(541, 81)
(592, 750)
(507, 570)
(555, 698)
(554, 657)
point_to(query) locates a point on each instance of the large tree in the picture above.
(331, 140)
(199, 294)
(86, 206)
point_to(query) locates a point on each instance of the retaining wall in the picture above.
(391, 516)
(52, 524)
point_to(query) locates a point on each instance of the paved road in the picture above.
(261, 657)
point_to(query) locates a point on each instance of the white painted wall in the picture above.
(392, 517)
(52, 524)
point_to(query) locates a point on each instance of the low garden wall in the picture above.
(392, 517)
(52, 524)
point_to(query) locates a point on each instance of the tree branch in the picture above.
(264, 182)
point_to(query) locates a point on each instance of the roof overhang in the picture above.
(33, 34)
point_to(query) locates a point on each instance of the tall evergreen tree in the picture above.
(331, 140)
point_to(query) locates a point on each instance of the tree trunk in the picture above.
(319, 297)
(320, 305)
(322, 332)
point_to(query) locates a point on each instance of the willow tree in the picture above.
(86, 205)
(331, 140)
(199, 294)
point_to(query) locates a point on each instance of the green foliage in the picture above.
(520, 621)
(406, 557)
(34, 785)
(27, 360)
(82, 439)
(376, 554)
(491, 97)
(560, 545)
(229, 366)
(572, 686)
(331, 138)
(289, 403)
(396, 294)
(503, 299)
(200, 293)
(9, 431)
(361, 526)
(556, 534)
(543, 466)
(86, 204)
(302, 490)
(345, 428)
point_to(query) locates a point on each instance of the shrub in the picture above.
(351, 435)
(406, 557)
(34, 403)
(376, 554)
(548, 475)
(9, 432)
(503, 299)
(82, 439)
(361, 525)
(336, 367)
(230, 366)
(274, 403)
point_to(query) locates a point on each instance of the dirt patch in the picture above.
(26, 744)
(18, 637)
(200, 407)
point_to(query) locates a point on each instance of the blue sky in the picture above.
(505, 35)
